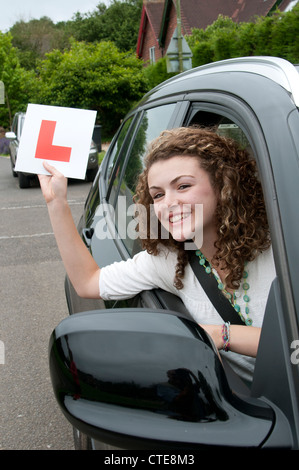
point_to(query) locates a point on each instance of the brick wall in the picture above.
(148, 42)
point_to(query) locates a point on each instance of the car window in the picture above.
(21, 124)
(152, 123)
(118, 154)
(14, 124)
(17, 124)
(221, 124)
(92, 202)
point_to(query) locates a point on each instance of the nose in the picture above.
(171, 199)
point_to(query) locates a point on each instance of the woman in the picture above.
(186, 168)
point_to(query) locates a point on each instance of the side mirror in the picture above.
(149, 379)
(10, 135)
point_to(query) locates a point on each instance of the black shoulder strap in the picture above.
(210, 285)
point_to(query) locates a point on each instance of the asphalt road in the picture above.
(32, 303)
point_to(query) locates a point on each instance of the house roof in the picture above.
(247, 10)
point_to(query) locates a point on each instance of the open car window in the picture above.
(220, 124)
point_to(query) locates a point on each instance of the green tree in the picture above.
(92, 76)
(18, 82)
(157, 73)
(245, 40)
(33, 39)
(282, 35)
(118, 23)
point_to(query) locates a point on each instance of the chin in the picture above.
(189, 238)
(182, 237)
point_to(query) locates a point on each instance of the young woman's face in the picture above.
(183, 197)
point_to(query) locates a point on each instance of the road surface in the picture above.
(32, 304)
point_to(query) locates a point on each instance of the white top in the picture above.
(125, 279)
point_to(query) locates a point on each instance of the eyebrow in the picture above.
(174, 181)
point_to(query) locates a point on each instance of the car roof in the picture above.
(276, 69)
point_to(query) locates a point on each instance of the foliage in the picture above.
(157, 73)
(273, 35)
(118, 23)
(92, 76)
(18, 82)
(33, 39)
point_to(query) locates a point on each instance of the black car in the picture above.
(14, 137)
(109, 362)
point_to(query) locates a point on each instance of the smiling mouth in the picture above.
(178, 217)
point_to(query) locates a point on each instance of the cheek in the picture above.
(209, 207)
(159, 210)
(206, 199)
(156, 211)
(207, 195)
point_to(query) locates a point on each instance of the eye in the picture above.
(184, 186)
(157, 196)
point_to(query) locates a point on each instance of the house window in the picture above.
(152, 55)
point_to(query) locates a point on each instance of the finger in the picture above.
(51, 169)
(43, 178)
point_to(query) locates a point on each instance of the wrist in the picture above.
(59, 212)
(215, 332)
(226, 336)
(58, 204)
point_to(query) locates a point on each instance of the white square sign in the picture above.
(60, 136)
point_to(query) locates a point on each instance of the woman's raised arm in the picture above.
(79, 264)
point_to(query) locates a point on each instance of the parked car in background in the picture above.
(14, 136)
(93, 162)
(116, 366)
(24, 178)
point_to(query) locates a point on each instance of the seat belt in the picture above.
(210, 286)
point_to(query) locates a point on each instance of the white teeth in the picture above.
(177, 218)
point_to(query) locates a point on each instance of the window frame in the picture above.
(152, 55)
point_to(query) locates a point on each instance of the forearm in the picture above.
(243, 339)
(79, 264)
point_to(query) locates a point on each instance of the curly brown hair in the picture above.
(241, 220)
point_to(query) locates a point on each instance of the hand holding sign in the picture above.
(54, 187)
(59, 135)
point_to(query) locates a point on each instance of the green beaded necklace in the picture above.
(231, 297)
